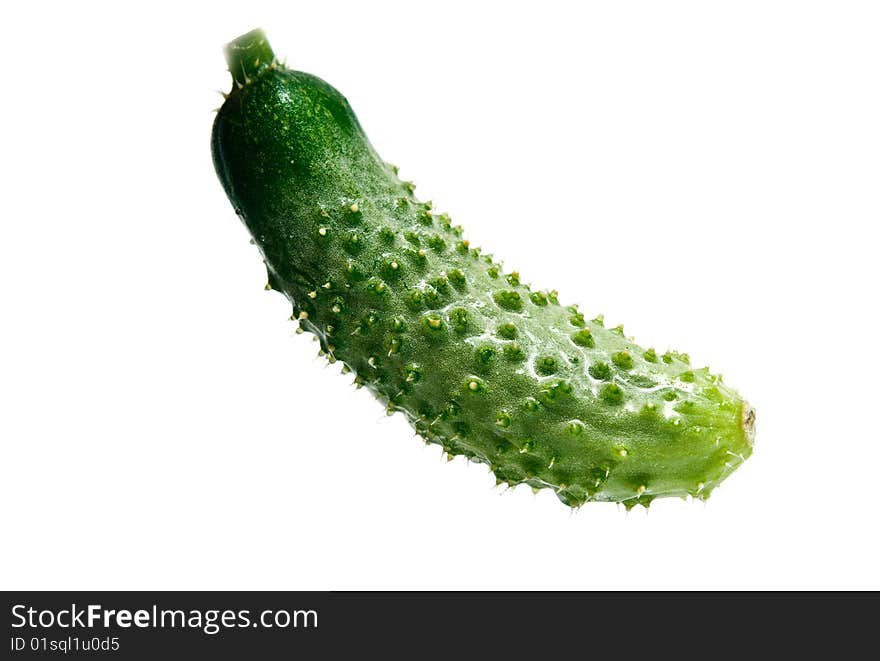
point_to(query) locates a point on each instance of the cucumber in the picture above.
(477, 360)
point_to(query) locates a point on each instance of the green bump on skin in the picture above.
(440, 284)
(457, 278)
(415, 300)
(612, 393)
(377, 287)
(539, 298)
(622, 359)
(413, 373)
(418, 258)
(514, 353)
(433, 324)
(600, 371)
(354, 243)
(368, 320)
(546, 365)
(584, 338)
(575, 428)
(507, 331)
(436, 243)
(687, 377)
(485, 355)
(393, 344)
(474, 386)
(509, 300)
(478, 362)
(386, 236)
(354, 272)
(459, 318)
(353, 214)
(390, 268)
(431, 297)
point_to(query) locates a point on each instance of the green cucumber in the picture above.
(478, 361)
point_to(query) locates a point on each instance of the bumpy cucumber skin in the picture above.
(477, 361)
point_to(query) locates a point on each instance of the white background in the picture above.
(706, 173)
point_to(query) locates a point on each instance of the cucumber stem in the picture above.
(248, 55)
